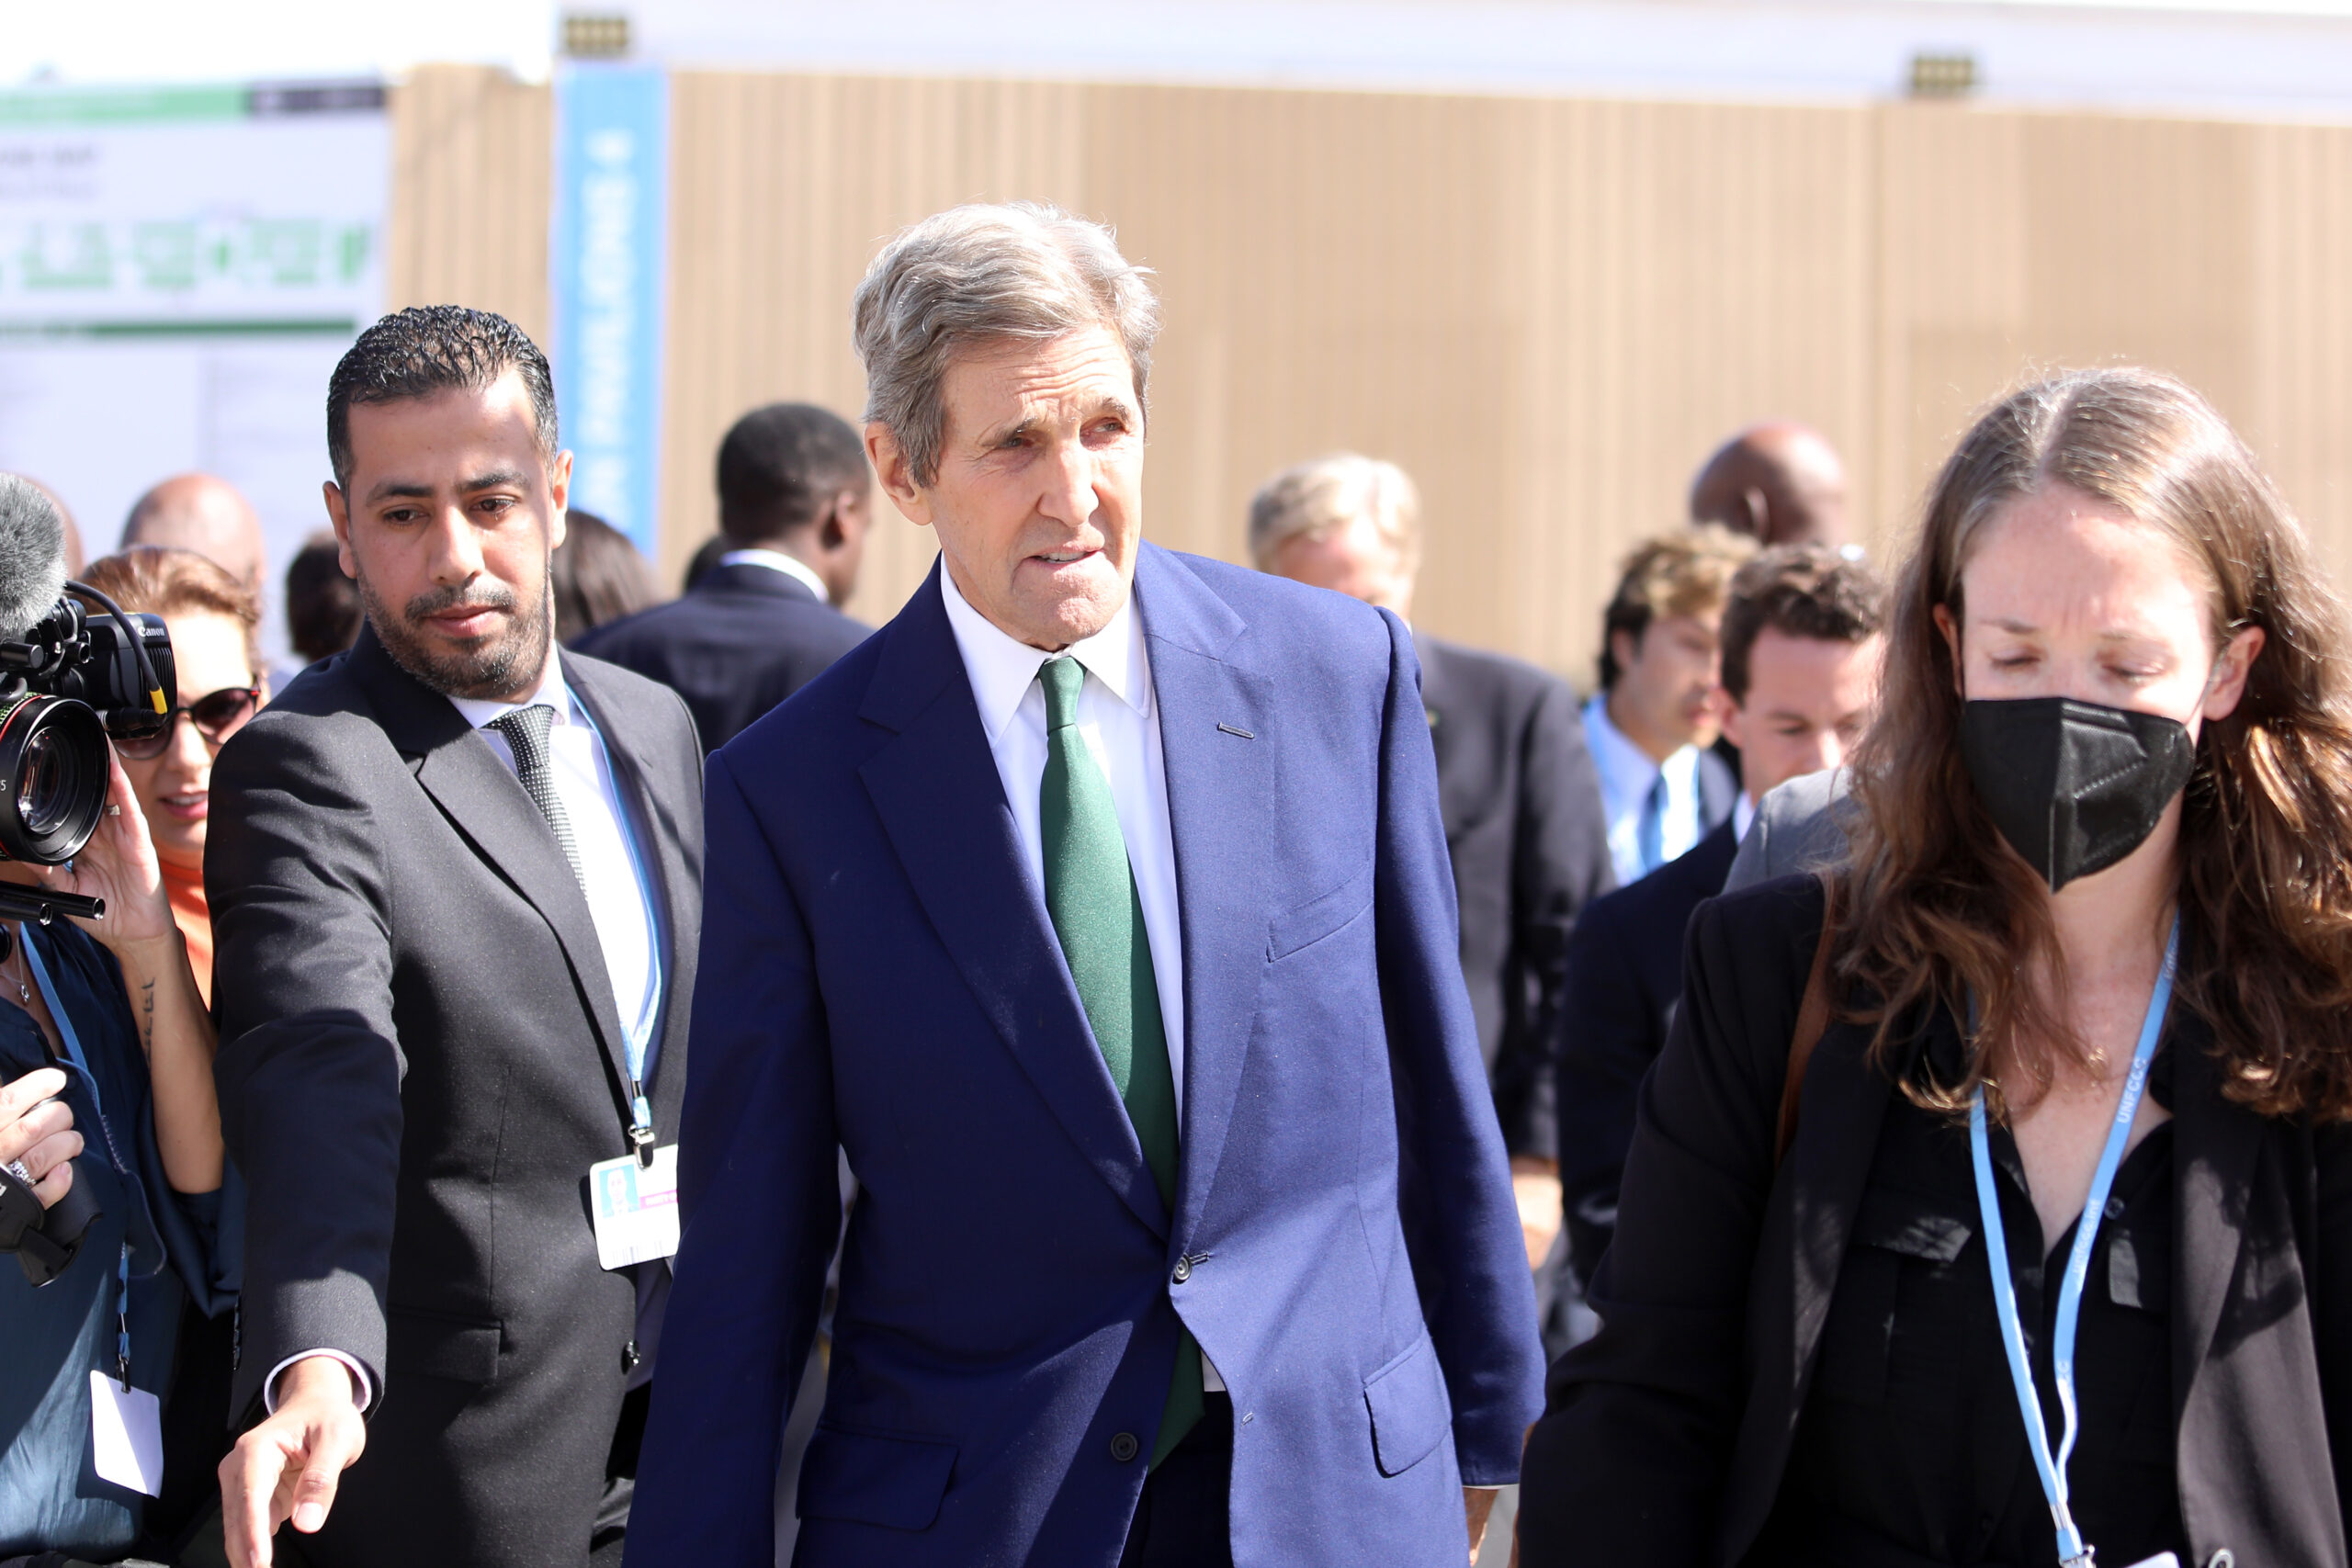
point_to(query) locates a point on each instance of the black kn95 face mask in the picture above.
(2074, 786)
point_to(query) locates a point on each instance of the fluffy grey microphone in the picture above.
(32, 557)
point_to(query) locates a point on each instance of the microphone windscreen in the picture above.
(32, 557)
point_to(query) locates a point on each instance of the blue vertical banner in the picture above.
(607, 249)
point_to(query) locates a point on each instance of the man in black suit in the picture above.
(455, 886)
(1516, 788)
(1801, 650)
(795, 498)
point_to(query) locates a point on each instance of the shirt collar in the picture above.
(1621, 762)
(1003, 669)
(776, 560)
(553, 691)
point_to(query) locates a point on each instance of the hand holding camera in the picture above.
(43, 1215)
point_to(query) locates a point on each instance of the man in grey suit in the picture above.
(456, 885)
(1800, 826)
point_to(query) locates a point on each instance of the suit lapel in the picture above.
(660, 840)
(940, 801)
(1842, 1108)
(2215, 1143)
(1220, 798)
(487, 805)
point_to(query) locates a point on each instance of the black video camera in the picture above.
(71, 681)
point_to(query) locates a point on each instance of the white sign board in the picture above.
(180, 268)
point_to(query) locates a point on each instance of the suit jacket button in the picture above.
(1124, 1446)
(1183, 1269)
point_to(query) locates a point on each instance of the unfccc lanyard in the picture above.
(82, 1065)
(2072, 1552)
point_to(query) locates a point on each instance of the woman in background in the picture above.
(211, 617)
(2071, 1159)
(596, 576)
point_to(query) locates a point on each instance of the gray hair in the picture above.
(1317, 498)
(1022, 271)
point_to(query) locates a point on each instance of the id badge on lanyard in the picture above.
(2073, 1551)
(126, 1423)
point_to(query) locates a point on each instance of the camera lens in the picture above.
(52, 778)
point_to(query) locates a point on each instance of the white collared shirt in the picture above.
(1626, 775)
(776, 560)
(1120, 724)
(620, 896)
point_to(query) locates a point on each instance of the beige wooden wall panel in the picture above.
(471, 151)
(1547, 310)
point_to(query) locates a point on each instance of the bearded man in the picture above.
(457, 888)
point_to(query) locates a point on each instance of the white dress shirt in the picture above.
(620, 897)
(1120, 724)
(776, 560)
(1626, 775)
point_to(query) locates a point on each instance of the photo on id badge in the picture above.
(635, 1206)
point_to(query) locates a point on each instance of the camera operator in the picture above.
(103, 1020)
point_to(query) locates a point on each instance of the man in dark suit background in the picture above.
(456, 883)
(1516, 787)
(1801, 653)
(795, 500)
(1098, 908)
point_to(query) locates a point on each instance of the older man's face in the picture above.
(1038, 500)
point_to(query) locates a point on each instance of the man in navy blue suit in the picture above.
(761, 623)
(1800, 652)
(1098, 908)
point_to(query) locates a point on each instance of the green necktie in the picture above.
(1097, 913)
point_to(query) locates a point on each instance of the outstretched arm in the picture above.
(310, 1084)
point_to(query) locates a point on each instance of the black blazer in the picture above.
(420, 1058)
(743, 640)
(1530, 846)
(1624, 979)
(1666, 1437)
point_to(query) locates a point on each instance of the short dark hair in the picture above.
(778, 463)
(1798, 591)
(434, 348)
(323, 610)
(1683, 574)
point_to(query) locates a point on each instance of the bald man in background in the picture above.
(209, 515)
(1780, 482)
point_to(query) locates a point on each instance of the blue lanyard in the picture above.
(2072, 1552)
(637, 1037)
(72, 1043)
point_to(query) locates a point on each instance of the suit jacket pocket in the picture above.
(434, 1344)
(1410, 1412)
(1310, 922)
(875, 1478)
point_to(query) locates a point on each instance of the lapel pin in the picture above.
(1231, 731)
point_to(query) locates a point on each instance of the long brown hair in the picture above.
(1933, 912)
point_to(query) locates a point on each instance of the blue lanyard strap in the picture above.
(2072, 1552)
(73, 1045)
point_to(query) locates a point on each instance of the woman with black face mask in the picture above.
(1992, 1201)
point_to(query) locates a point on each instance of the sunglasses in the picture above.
(217, 716)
